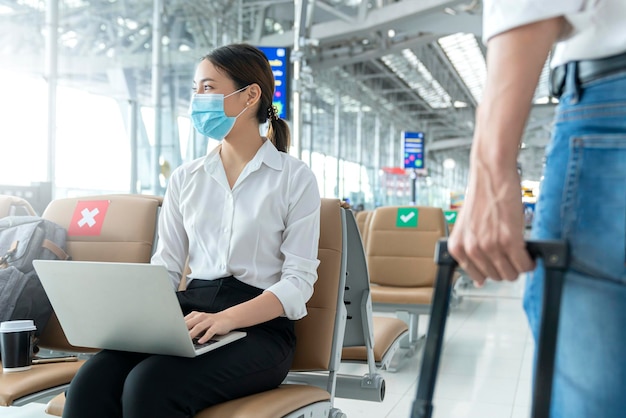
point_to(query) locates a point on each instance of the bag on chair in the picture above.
(22, 240)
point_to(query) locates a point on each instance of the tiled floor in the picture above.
(485, 369)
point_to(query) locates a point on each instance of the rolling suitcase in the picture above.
(555, 258)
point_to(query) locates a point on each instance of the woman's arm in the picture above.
(488, 240)
(262, 308)
(172, 243)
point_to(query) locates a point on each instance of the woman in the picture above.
(247, 216)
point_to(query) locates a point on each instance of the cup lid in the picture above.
(16, 326)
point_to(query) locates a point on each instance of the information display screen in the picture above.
(279, 61)
(413, 143)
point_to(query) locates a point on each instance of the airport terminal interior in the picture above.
(380, 97)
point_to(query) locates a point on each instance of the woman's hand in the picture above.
(204, 325)
(262, 308)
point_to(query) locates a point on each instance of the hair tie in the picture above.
(272, 113)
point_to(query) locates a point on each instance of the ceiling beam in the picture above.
(402, 12)
(321, 62)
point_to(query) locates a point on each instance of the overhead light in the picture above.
(542, 100)
(458, 104)
(410, 69)
(391, 33)
(449, 11)
(464, 53)
(449, 164)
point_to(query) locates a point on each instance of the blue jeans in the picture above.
(583, 200)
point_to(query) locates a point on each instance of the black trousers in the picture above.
(134, 385)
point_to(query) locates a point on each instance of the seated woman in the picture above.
(247, 215)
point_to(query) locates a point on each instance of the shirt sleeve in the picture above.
(502, 15)
(300, 245)
(172, 241)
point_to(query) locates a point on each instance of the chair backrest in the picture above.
(12, 205)
(363, 219)
(401, 245)
(320, 333)
(116, 228)
(357, 294)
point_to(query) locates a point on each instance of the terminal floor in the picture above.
(485, 369)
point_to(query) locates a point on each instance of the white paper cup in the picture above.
(16, 342)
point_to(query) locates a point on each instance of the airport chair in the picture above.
(371, 340)
(12, 205)
(400, 257)
(128, 225)
(319, 340)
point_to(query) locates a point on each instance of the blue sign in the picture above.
(279, 61)
(413, 150)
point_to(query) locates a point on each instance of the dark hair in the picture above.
(245, 65)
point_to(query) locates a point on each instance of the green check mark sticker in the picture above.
(406, 218)
(450, 216)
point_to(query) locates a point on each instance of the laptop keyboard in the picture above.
(197, 345)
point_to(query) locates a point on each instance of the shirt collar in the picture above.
(212, 158)
(267, 154)
(270, 156)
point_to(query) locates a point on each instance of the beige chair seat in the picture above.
(386, 332)
(40, 377)
(271, 404)
(402, 295)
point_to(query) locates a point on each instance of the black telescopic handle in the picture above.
(555, 256)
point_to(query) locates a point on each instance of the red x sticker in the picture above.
(88, 217)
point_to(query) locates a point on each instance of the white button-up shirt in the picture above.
(264, 231)
(597, 26)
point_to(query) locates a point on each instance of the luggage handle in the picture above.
(555, 255)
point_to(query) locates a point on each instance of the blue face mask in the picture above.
(208, 117)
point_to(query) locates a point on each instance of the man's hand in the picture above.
(488, 238)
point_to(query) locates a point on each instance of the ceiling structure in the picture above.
(422, 60)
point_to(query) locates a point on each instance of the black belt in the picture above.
(587, 70)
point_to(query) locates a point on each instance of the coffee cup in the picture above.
(16, 343)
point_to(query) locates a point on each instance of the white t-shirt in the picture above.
(265, 231)
(598, 27)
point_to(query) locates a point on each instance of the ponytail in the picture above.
(278, 130)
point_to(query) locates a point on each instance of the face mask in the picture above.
(208, 117)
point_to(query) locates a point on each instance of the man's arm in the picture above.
(488, 240)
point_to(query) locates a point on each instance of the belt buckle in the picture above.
(557, 81)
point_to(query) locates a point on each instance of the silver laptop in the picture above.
(121, 306)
